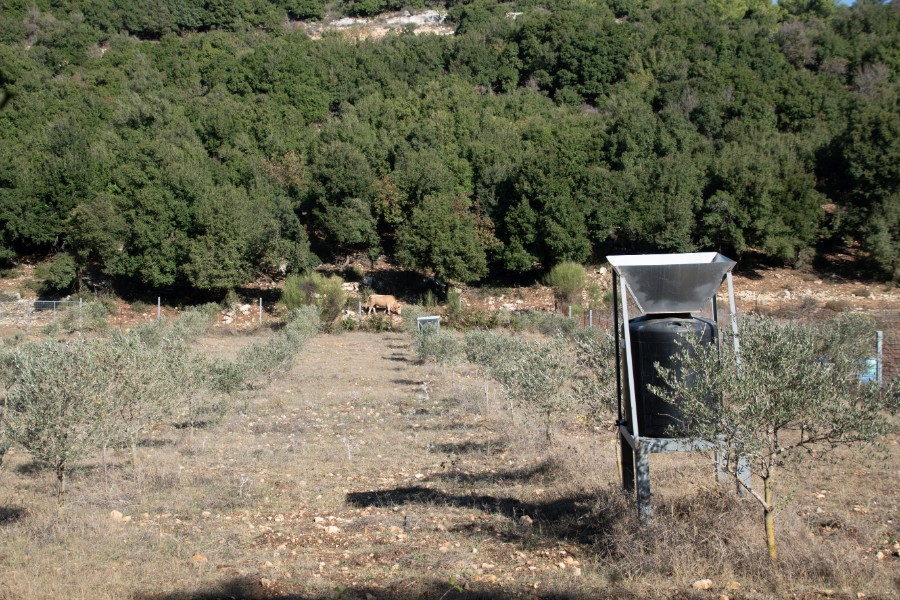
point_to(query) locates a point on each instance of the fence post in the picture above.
(359, 308)
(879, 358)
(27, 316)
(570, 311)
(260, 311)
(80, 313)
(158, 308)
(591, 319)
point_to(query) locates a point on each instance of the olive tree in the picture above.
(793, 391)
(54, 404)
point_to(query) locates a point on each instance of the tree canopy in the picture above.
(202, 144)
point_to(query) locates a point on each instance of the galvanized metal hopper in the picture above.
(672, 283)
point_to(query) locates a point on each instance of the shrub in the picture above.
(90, 316)
(148, 379)
(59, 275)
(326, 293)
(454, 304)
(534, 375)
(546, 323)
(793, 391)
(195, 321)
(261, 360)
(53, 410)
(411, 316)
(567, 280)
(595, 356)
(440, 346)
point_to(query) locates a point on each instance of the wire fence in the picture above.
(31, 313)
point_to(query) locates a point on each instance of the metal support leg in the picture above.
(645, 509)
(626, 465)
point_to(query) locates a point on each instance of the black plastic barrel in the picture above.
(655, 339)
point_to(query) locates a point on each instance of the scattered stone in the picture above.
(319, 519)
(724, 597)
(703, 584)
(440, 527)
(115, 516)
(199, 559)
(206, 514)
(576, 571)
(332, 529)
(733, 585)
(526, 520)
(879, 555)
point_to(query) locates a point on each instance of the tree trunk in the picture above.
(770, 518)
(60, 484)
(134, 456)
(105, 468)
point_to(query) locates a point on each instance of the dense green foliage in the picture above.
(202, 144)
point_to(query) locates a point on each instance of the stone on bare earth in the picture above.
(244, 308)
(332, 529)
(199, 559)
(115, 516)
(703, 584)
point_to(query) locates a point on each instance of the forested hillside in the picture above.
(169, 143)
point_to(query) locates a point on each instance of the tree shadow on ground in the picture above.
(470, 447)
(542, 472)
(11, 514)
(251, 588)
(574, 518)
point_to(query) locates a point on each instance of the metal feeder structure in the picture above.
(669, 290)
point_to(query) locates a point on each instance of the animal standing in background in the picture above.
(385, 301)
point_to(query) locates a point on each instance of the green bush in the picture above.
(567, 280)
(52, 403)
(90, 316)
(411, 316)
(326, 293)
(195, 321)
(258, 362)
(596, 357)
(454, 304)
(546, 323)
(442, 347)
(59, 275)
(534, 375)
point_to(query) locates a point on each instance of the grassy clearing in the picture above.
(363, 472)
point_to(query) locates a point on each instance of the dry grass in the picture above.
(363, 472)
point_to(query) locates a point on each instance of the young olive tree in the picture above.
(793, 391)
(534, 375)
(54, 403)
(146, 380)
